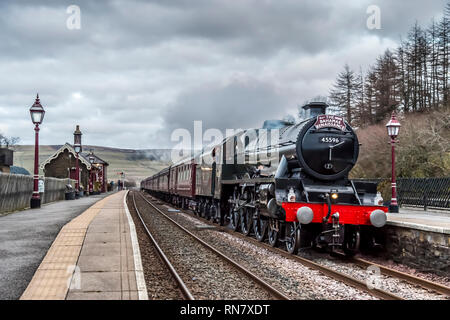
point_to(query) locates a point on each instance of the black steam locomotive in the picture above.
(287, 184)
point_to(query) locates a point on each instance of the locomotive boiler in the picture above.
(287, 184)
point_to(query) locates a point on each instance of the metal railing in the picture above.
(424, 192)
(418, 192)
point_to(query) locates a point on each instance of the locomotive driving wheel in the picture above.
(273, 232)
(234, 218)
(246, 216)
(292, 237)
(260, 227)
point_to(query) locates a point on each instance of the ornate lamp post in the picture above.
(37, 116)
(122, 176)
(91, 160)
(77, 147)
(393, 128)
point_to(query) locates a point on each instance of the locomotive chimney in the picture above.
(314, 109)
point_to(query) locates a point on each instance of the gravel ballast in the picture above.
(159, 281)
(204, 273)
(292, 277)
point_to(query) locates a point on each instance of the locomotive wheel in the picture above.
(213, 212)
(199, 208)
(234, 219)
(273, 233)
(223, 218)
(208, 211)
(292, 237)
(351, 242)
(202, 209)
(260, 227)
(196, 211)
(246, 220)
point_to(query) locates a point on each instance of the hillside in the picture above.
(423, 148)
(137, 164)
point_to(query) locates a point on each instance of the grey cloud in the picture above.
(243, 27)
(138, 69)
(242, 103)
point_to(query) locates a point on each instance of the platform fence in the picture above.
(423, 193)
(16, 191)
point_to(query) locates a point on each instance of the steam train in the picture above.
(293, 189)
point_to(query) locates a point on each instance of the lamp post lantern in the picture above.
(37, 113)
(77, 147)
(393, 128)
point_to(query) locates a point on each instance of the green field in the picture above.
(136, 164)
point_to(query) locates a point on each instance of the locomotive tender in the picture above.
(294, 190)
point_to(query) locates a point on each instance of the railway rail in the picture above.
(339, 276)
(379, 293)
(187, 294)
(433, 286)
(382, 294)
(180, 283)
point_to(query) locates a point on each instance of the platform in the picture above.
(432, 221)
(94, 257)
(26, 236)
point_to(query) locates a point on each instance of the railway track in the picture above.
(186, 292)
(429, 285)
(382, 294)
(339, 276)
(379, 293)
(180, 283)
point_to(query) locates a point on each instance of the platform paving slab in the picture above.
(103, 266)
(107, 267)
(26, 236)
(52, 283)
(438, 222)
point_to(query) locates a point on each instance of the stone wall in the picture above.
(420, 249)
(16, 191)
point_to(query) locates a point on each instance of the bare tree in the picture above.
(344, 92)
(433, 61)
(8, 142)
(444, 41)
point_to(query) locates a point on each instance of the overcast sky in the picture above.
(136, 70)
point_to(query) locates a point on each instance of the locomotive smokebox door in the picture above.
(327, 148)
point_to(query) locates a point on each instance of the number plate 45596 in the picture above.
(329, 140)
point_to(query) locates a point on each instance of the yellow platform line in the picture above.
(51, 280)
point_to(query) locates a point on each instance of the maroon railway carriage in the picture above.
(182, 183)
(158, 183)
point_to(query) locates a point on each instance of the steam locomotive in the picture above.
(293, 189)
